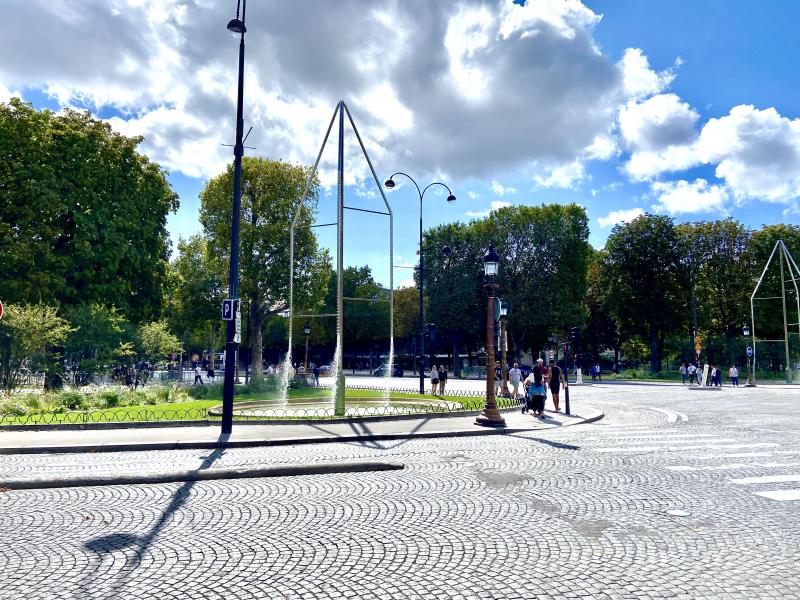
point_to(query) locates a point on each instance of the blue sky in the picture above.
(684, 108)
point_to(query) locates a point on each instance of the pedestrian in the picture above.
(598, 372)
(556, 382)
(712, 374)
(683, 373)
(718, 377)
(315, 371)
(210, 373)
(692, 373)
(535, 390)
(434, 379)
(516, 376)
(442, 378)
(198, 378)
(733, 373)
(593, 373)
(135, 377)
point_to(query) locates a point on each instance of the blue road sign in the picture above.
(229, 309)
(749, 351)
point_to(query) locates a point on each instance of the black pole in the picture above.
(233, 287)
(421, 333)
(566, 380)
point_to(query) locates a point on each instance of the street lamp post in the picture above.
(504, 346)
(307, 332)
(237, 27)
(420, 330)
(490, 416)
(750, 377)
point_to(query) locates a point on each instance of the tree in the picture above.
(100, 337)
(157, 342)
(271, 193)
(641, 263)
(84, 214)
(196, 294)
(27, 333)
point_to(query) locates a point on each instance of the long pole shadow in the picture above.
(362, 428)
(135, 545)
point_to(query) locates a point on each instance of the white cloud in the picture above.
(683, 197)
(619, 216)
(602, 148)
(567, 176)
(639, 80)
(658, 122)
(6, 94)
(406, 283)
(495, 205)
(472, 195)
(501, 190)
(450, 92)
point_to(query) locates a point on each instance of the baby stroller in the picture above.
(534, 399)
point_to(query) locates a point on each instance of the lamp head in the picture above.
(451, 198)
(746, 331)
(389, 183)
(307, 328)
(236, 26)
(447, 251)
(491, 261)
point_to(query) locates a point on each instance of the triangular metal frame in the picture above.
(786, 262)
(339, 385)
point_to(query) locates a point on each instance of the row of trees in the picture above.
(655, 282)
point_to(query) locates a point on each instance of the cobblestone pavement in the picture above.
(674, 494)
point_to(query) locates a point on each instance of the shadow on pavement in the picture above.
(361, 428)
(559, 445)
(135, 546)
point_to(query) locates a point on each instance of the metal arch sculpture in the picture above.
(786, 262)
(340, 110)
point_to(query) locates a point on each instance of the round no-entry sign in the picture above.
(749, 351)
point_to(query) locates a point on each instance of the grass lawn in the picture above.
(193, 410)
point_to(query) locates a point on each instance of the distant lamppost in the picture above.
(420, 329)
(236, 27)
(307, 332)
(750, 377)
(504, 346)
(490, 416)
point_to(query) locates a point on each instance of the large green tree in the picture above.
(641, 263)
(271, 193)
(83, 213)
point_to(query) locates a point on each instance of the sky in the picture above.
(684, 108)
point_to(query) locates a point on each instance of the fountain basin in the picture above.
(322, 408)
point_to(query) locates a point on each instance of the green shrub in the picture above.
(110, 398)
(32, 402)
(12, 408)
(73, 400)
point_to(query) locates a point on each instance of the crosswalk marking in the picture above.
(667, 447)
(733, 466)
(780, 495)
(766, 479)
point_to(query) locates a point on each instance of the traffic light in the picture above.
(575, 334)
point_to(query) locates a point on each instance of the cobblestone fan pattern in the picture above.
(673, 495)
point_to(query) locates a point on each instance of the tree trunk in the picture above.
(655, 355)
(254, 325)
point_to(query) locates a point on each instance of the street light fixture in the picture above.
(750, 375)
(390, 184)
(307, 332)
(236, 27)
(504, 346)
(490, 416)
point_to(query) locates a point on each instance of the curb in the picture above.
(200, 475)
(253, 443)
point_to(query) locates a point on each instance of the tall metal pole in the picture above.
(788, 367)
(503, 357)
(566, 379)
(339, 408)
(421, 332)
(231, 346)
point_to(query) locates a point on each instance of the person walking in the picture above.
(683, 373)
(733, 373)
(692, 373)
(434, 379)
(210, 373)
(315, 371)
(442, 378)
(535, 389)
(556, 383)
(515, 375)
(198, 378)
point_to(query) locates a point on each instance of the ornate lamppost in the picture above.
(307, 332)
(504, 347)
(490, 416)
(750, 377)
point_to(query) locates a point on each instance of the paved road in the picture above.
(673, 495)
